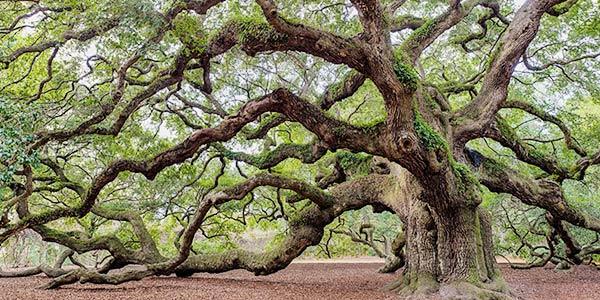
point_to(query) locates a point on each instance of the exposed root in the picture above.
(392, 264)
(427, 287)
(47, 270)
(87, 276)
(468, 291)
(422, 287)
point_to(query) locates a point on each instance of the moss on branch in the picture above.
(430, 138)
(188, 30)
(255, 29)
(405, 72)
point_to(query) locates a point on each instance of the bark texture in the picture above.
(423, 171)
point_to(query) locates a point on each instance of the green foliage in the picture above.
(507, 131)
(16, 132)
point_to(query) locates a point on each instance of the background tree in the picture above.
(130, 123)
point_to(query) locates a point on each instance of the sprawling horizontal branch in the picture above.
(150, 168)
(308, 153)
(50, 271)
(198, 6)
(558, 63)
(542, 193)
(334, 93)
(334, 133)
(82, 36)
(315, 194)
(305, 229)
(504, 134)
(303, 38)
(87, 127)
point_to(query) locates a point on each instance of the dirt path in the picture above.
(301, 281)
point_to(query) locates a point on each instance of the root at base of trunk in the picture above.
(426, 287)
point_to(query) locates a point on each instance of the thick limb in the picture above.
(306, 229)
(396, 258)
(542, 193)
(50, 271)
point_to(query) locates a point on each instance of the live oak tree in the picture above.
(128, 123)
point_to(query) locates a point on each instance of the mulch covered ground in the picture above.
(301, 281)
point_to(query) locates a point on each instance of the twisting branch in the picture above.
(342, 90)
(556, 63)
(542, 193)
(501, 132)
(372, 18)
(314, 41)
(427, 33)
(481, 111)
(406, 22)
(50, 271)
(306, 229)
(308, 153)
(334, 93)
(482, 22)
(531, 109)
(82, 36)
(335, 133)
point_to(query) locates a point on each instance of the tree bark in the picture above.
(448, 249)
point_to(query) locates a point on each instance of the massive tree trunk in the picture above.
(448, 247)
(448, 238)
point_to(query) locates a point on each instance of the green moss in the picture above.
(536, 154)
(509, 133)
(355, 163)
(255, 29)
(467, 184)
(494, 53)
(563, 7)
(271, 158)
(188, 30)
(372, 126)
(298, 217)
(405, 72)
(339, 130)
(430, 138)
(456, 87)
(464, 173)
(422, 32)
(506, 130)
(337, 88)
(431, 103)
(493, 166)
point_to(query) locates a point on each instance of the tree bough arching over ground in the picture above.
(154, 129)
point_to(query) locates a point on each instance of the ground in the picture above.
(307, 280)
